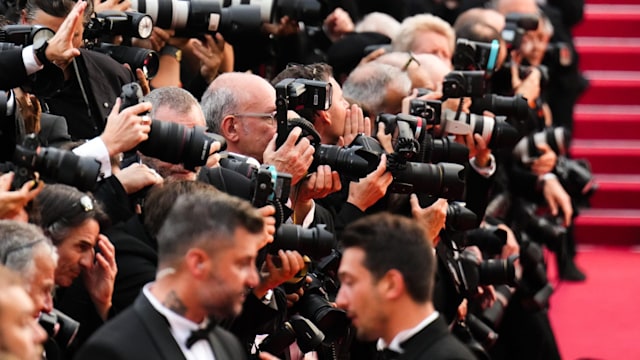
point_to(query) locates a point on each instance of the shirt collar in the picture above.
(405, 335)
(180, 326)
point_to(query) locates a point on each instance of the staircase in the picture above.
(607, 121)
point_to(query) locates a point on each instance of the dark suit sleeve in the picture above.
(13, 72)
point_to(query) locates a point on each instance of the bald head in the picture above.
(473, 16)
(435, 67)
(232, 93)
(516, 6)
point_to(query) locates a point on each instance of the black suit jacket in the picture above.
(140, 332)
(13, 72)
(435, 342)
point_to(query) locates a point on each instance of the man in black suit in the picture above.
(206, 263)
(387, 275)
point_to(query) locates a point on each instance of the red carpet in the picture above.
(599, 319)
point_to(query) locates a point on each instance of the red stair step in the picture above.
(612, 87)
(599, 53)
(610, 21)
(616, 192)
(613, 227)
(609, 156)
(607, 122)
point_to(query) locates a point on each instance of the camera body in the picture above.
(459, 84)
(515, 27)
(107, 24)
(59, 327)
(25, 35)
(474, 55)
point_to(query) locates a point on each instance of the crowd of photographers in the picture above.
(124, 122)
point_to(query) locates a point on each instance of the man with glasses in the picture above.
(241, 107)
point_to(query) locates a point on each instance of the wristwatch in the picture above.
(173, 51)
(40, 53)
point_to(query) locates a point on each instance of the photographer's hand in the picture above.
(545, 162)
(100, 278)
(291, 263)
(267, 213)
(432, 218)
(317, 186)
(511, 247)
(556, 197)
(337, 24)
(355, 123)
(372, 188)
(528, 87)
(291, 158)
(12, 203)
(214, 156)
(136, 177)
(384, 138)
(117, 5)
(124, 130)
(211, 55)
(60, 50)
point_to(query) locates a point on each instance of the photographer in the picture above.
(92, 80)
(339, 125)
(19, 64)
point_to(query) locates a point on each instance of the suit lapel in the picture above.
(423, 340)
(158, 329)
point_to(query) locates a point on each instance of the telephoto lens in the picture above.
(316, 242)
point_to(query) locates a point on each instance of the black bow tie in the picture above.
(200, 334)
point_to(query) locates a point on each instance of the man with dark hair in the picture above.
(387, 275)
(206, 264)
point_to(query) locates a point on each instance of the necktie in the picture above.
(200, 334)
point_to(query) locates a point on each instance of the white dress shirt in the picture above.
(181, 328)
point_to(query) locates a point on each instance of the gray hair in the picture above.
(19, 244)
(204, 219)
(177, 99)
(368, 84)
(218, 102)
(379, 23)
(405, 36)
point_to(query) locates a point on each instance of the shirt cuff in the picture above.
(486, 171)
(97, 149)
(29, 60)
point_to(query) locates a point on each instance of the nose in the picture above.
(47, 306)
(86, 261)
(341, 299)
(253, 279)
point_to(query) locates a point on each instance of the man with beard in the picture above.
(206, 263)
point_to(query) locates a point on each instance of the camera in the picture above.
(314, 242)
(109, 23)
(474, 55)
(315, 305)
(59, 327)
(515, 27)
(443, 180)
(429, 110)
(414, 143)
(25, 35)
(191, 18)
(515, 106)
(459, 84)
(478, 272)
(489, 239)
(172, 142)
(59, 166)
(297, 329)
(495, 132)
(459, 218)
(137, 58)
(558, 138)
(310, 12)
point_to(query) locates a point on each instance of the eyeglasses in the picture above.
(18, 248)
(411, 59)
(270, 117)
